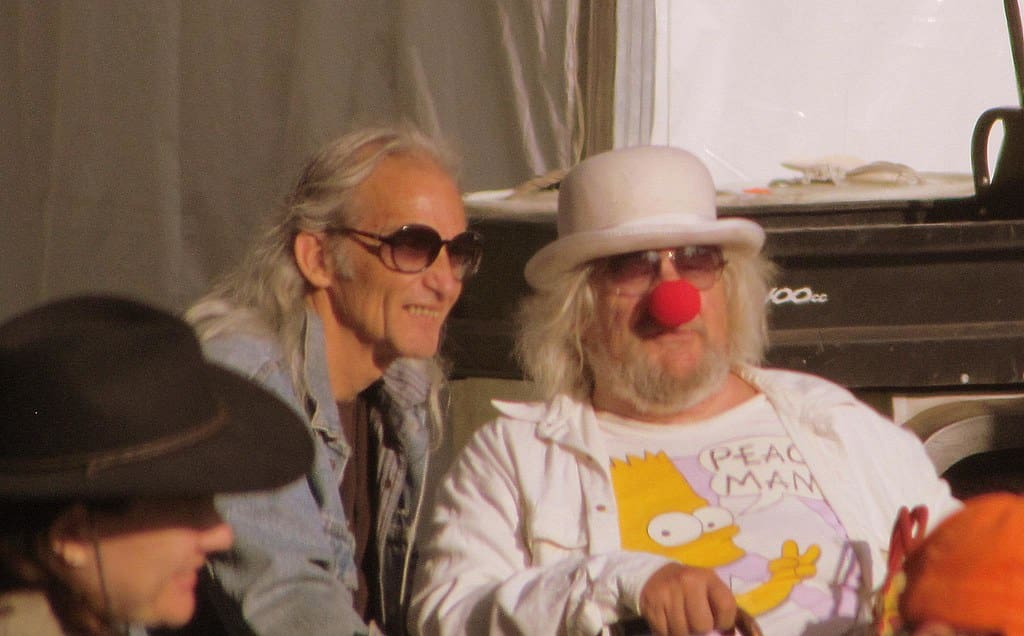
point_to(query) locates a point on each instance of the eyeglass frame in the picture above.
(389, 240)
(603, 267)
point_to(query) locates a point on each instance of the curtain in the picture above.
(143, 143)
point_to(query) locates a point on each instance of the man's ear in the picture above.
(69, 537)
(311, 257)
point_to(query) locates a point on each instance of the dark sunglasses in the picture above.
(413, 248)
(634, 273)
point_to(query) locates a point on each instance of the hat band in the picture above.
(93, 463)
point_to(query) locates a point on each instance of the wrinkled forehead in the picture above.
(406, 189)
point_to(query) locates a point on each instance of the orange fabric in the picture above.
(969, 572)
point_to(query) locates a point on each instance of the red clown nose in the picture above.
(674, 302)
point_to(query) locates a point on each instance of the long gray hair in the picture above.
(265, 294)
(551, 325)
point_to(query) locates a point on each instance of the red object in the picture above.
(969, 572)
(907, 534)
(674, 302)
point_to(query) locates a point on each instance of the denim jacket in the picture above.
(291, 569)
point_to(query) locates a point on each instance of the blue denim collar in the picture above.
(320, 404)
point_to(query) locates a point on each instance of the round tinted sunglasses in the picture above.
(634, 273)
(413, 248)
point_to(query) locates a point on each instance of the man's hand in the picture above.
(678, 600)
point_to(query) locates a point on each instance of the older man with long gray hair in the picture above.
(338, 309)
(667, 477)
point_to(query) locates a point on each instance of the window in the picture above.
(750, 84)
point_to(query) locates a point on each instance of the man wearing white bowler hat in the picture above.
(667, 477)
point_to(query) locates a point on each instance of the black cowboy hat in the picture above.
(106, 397)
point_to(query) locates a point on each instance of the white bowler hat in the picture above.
(639, 198)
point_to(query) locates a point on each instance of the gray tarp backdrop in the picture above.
(143, 142)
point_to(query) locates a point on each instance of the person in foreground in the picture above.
(967, 577)
(667, 476)
(114, 435)
(339, 311)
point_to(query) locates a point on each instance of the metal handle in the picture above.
(979, 147)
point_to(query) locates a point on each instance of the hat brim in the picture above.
(737, 235)
(263, 444)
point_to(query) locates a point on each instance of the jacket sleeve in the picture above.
(903, 474)
(280, 570)
(874, 467)
(281, 573)
(482, 573)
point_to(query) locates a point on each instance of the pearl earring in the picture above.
(75, 559)
(70, 556)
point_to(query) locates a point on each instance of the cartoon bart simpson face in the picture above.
(660, 513)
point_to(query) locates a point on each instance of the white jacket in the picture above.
(524, 538)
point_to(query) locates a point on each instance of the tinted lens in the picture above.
(465, 252)
(635, 267)
(698, 259)
(634, 273)
(414, 247)
(698, 264)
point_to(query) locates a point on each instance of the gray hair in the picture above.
(264, 295)
(551, 325)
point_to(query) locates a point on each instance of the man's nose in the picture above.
(666, 265)
(440, 276)
(216, 537)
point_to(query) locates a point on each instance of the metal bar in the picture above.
(1016, 44)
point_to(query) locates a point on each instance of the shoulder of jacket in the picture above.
(552, 420)
(250, 354)
(808, 387)
(523, 411)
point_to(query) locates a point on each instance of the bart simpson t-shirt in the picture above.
(733, 493)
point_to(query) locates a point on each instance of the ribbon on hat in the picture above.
(94, 462)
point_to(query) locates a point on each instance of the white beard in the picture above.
(634, 379)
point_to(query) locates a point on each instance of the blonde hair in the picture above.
(551, 325)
